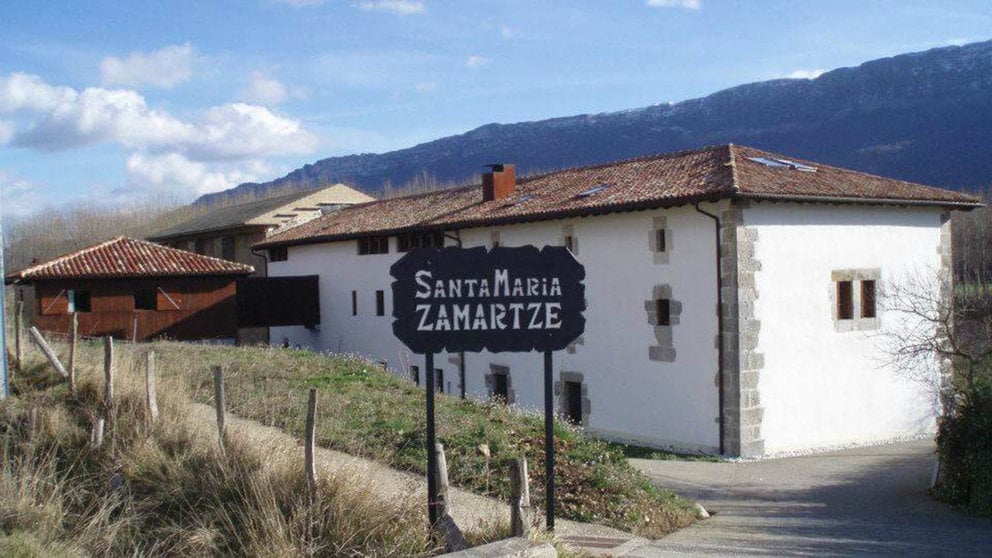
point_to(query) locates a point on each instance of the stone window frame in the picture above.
(855, 276)
(664, 348)
(490, 378)
(660, 223)
(560, 395)
(568, 231)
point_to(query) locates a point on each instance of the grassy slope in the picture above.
(366, 411)
(163, 490)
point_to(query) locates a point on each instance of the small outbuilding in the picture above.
(136, 290)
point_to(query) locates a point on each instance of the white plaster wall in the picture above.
(820, 387)
(632, 397)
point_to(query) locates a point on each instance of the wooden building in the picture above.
(133, 289)
(229, 232)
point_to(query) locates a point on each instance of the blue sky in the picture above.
(116, 101)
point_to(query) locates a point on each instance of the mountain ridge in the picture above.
(921, 116)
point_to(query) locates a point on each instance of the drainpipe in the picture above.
(719, 319)
(457, 237)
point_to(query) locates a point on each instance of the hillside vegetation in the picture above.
(920, 116)
(366, 411)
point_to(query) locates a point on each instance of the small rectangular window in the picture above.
(661, 240)
(570, 243)
(227, 248)
(354, 303)
(200, 246)
(380, 303)
(415, 374)
(373, 245)
(279, 254)
(408, 241)
(663, 308)
(845, 300)
(868, 299)
(146, 299)
(79, 301)
(439, 380)
(501, 387)
(573, 402)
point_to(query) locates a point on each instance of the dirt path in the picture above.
(467, 509)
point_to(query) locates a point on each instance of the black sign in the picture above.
(474, 299)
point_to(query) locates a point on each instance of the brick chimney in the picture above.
(499, 182)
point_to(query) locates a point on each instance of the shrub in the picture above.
(964, 444)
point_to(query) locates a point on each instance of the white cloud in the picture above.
(426, 87)
(476, 61)
(506, 32)
(684, 4)
(18, 197)
(172, 173)
(98, 115)
(67, 119)
(239, 130)
(163, 68)
(264, 89)
(6, 131)
(805, 74)
(400, 7)
(24, 92)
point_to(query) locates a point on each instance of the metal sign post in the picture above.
(499, 300)
(549, 444)
(5, 379)
(432, 503)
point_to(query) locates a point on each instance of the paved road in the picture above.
(851, 502)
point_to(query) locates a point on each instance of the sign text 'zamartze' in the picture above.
(504, 299)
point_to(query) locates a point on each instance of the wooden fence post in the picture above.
(520, 511)
(48, 352)
(18, 324)
(308, 450)
(74, 333)
(96, 437)
(442, 480)
(150, 398)
(453, 538)
(219, 402)
(108, 380)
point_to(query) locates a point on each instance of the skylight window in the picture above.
(593, 191)
(782, 164)
(768, 162)
(797, 166)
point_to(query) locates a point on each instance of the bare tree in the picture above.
(938, 336)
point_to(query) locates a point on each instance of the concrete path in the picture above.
(468, 510)
(864, 501)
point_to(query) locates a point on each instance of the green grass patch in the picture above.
(366, 411)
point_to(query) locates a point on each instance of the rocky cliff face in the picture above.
(925, 117)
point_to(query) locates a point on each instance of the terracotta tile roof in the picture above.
(127, 257)
(707, 174)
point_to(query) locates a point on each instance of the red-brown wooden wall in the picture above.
(206, 308)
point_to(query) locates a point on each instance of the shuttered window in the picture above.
(867, 299)
(845, 300)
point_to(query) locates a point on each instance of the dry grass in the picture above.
(164, 489)
(366, 411)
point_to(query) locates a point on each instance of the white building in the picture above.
(731, 294)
